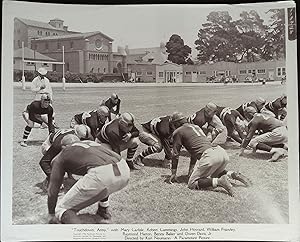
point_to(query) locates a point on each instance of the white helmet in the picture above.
(103, 111)
(82, 131)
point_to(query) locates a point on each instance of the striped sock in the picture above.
(150, 150)
(26, 132)
(130, 153)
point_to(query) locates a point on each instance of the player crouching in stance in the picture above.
(121, 134)
(38, 112)
(52, 146)
(208, 163)
(157, 135)
(94, 119)
(113, 103)
(257, 104)
(274, 134)
(276, 108)
(104, 172)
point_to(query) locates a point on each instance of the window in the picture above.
(243, 72)
(58, 45)
(160, 74)
(195, 72)
(104, 70)
(188, 73)
(278, 71)
(177, 72)
(227, 73)
(19, 43)
(139, 73)
(202, 72)
(98, 70)
(18, 31)
(45, 64)
(149, 73)
(71, 44)
(249, 71)
(29, 63)
(283, 71)
(261, 71)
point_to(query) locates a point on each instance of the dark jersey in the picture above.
(111, 134)
(90, 119)
(241, 109)
(263, 123)
(200, 118)
(276, 106)
(108, 103)
(160, 126)
(192, 138)
(77, 159)
(35, 108)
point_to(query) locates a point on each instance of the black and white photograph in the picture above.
(149, 122)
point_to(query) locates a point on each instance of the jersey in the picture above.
(276, 106)
(241, 109)
(261, 122)
(160, 127)
(108, 103)
(35, 108)
(77, 159)
(90, 119)
(192, 138)
(200, 118)
(111, 134)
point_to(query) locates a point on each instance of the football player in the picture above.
(207, 115)
(103, 172)
(208, 162)
(38, 112)
(257, 104)
(52, 146)
(94, 119)
(273, 139)
(113, 103)
(157, 135)
(121, 134)
(276, 108)
(234, 122)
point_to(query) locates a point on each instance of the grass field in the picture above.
(147, 198)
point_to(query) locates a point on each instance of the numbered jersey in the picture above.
(79, 157)
(160, 126)
(192, 138)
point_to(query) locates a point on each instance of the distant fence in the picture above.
(54, 76)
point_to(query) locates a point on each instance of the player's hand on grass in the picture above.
(173, 179)
(51, 219)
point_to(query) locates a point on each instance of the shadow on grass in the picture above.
(257, 156)
(180, 179)
(68, 183)
(34, 142)
(152, 162)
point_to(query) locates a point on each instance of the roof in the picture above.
(29, 54)
(157, 58)
(74, 36)
(39, 24)
(139, 51)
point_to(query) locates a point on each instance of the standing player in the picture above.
(233, 121)
(274, 134)
(113, 103)
(38, 112)
(52, 146)
(121, 134)
(41, 85)
(157, 135)
(104, 172)
(276, 108)
(94, 119)
(257, 105)
(207, 115)
(208, 163)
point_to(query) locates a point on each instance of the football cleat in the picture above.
(278, 153)
(224, 182)
(138, 161)
(103, 212)
(23, 143)
(240, 177)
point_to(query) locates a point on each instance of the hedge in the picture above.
(54, 76)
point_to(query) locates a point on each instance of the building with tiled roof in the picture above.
(26, 29)
(30, 54)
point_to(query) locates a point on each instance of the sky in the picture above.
(137, 26)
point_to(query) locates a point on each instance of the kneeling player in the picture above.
(208, 163)
(104, 172)
(276, 108)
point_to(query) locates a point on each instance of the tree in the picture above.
(222, 39)
(274, 47)
(178, 51)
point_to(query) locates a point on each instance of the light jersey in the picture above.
(159, 126)
(264, 123)
(192, 138)
(241, 109)
(81, 156)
